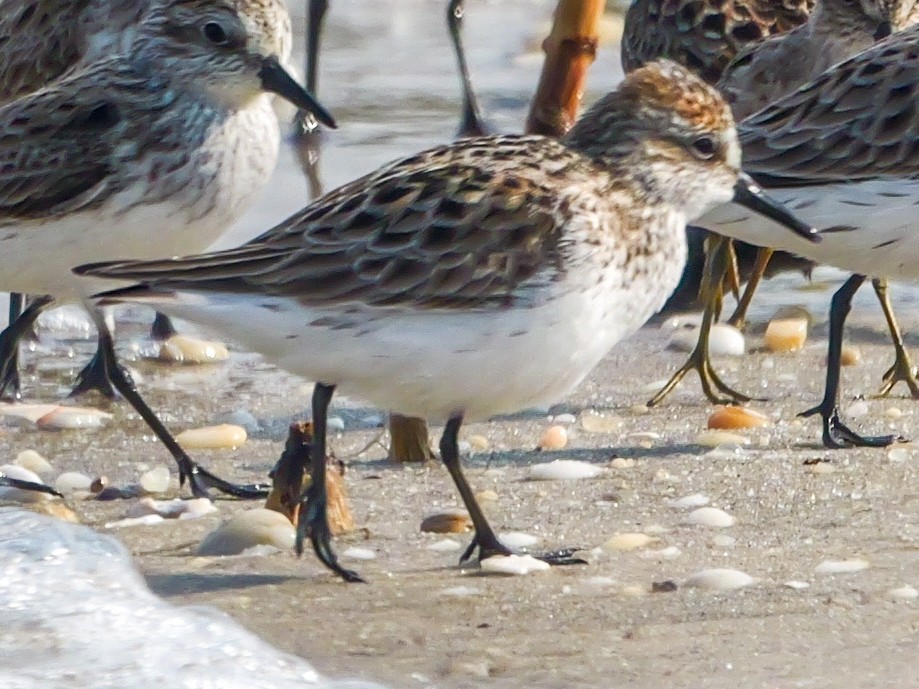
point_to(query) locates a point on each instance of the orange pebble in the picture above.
(730, 418)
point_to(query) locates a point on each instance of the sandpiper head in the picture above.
(231, 49)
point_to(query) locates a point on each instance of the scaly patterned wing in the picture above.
(456, 227)
(859, 120)
(703, 35)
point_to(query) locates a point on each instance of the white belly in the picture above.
(885, 215)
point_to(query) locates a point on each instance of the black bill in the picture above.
(27, 485)
(276, 79)
(749, 194)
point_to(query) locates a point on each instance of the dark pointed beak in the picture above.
(276, 79)
(748, 193)
(27, 485)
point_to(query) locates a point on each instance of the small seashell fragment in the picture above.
(223, 436)
(31, 460)
(724, 541)
(515, 540)
(145, 520)
(786, 334)
(487, 495)
(479, 443)
(894, 413)
(452, 521)
(446, 545)
(622, 463)
(73, 417)
(732, 418)
(850, 355)
(595, 422)
(461, 591)
(796, 585)
(172, 509)
(820, 468)
(671, 552)
(28, 412)
(898, 454)
(842, 566)
(182, 349)
(355, 553)
(156, 480)
(688, 501)
(258, 526)
(858, 408)
(563, 469)
(904, 593)
(71, 482)
(553, 438)
(724, 340)
(625, 542)
(17, 495)
(711, 517)
(720, 579)
(564, 418)
(513, 565)
(719, 438)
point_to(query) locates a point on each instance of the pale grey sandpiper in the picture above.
(474, 279)
(759, 75)
(842, 152)
(155, 149)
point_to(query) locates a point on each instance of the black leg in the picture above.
(27, 485)
(96, 376)
(835, 433)
(485, 539)
(314, 520)
(162, 328)
(315, 16)
(199, 479)
(471, 123)
(10, 338)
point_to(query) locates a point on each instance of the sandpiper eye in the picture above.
(215, 33)
(704, 147)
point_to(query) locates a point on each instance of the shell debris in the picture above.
(224, 436)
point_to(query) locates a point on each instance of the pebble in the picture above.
(594, 422)
(786, 334)
(622, 463)
(182, 349)
(553, 438)
(446, 545)
(355, 553)
(513, 565)
(894, 413)
(732, 418)
(146, 520)
(688, 501)
(842, 566)
(250, 528)
(71, 482)
(904, 593)
(719, 438)
(31, 460)
(711, 517)
(724, 340)
(625, 542)
(17, 495)
(98, 485)
(452, 521)
(850, 355)
(223, 436)
(516, 540)
(73, 417)
(720, 579)
(173, 509)
(156, 480)
(564, 469)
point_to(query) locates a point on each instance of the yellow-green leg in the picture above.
(739, 318)
(902, 369)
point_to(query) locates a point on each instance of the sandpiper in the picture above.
(473, 279)
(155, 149)
(759, 75)
(840, 151)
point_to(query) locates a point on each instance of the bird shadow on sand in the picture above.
(184, 583)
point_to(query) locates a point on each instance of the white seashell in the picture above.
(711, 517)
(513, 564)
(445, 545)
(714, 438)
(595, 422)
(355, 553)
(671, 552)
(146, 520)
(223, 436)
(72, 482)
(564, 469)
(894, 412)
(173, 509)
(564, 418)
(622, 463)
(182, 349)
(462, 591)
(156, 480)
(197, 507)
(335, 423)
(719, 579)
(250, 528)
(904, 593)
(515, 540)
(842, 566)
(28, 412)
(625, 542)
(31, 460)
(685, 503)
(724, 340)
(16, 494)
(478, 443)
(73, 417)
(724, 541)
(796, 585)
(898, 454)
